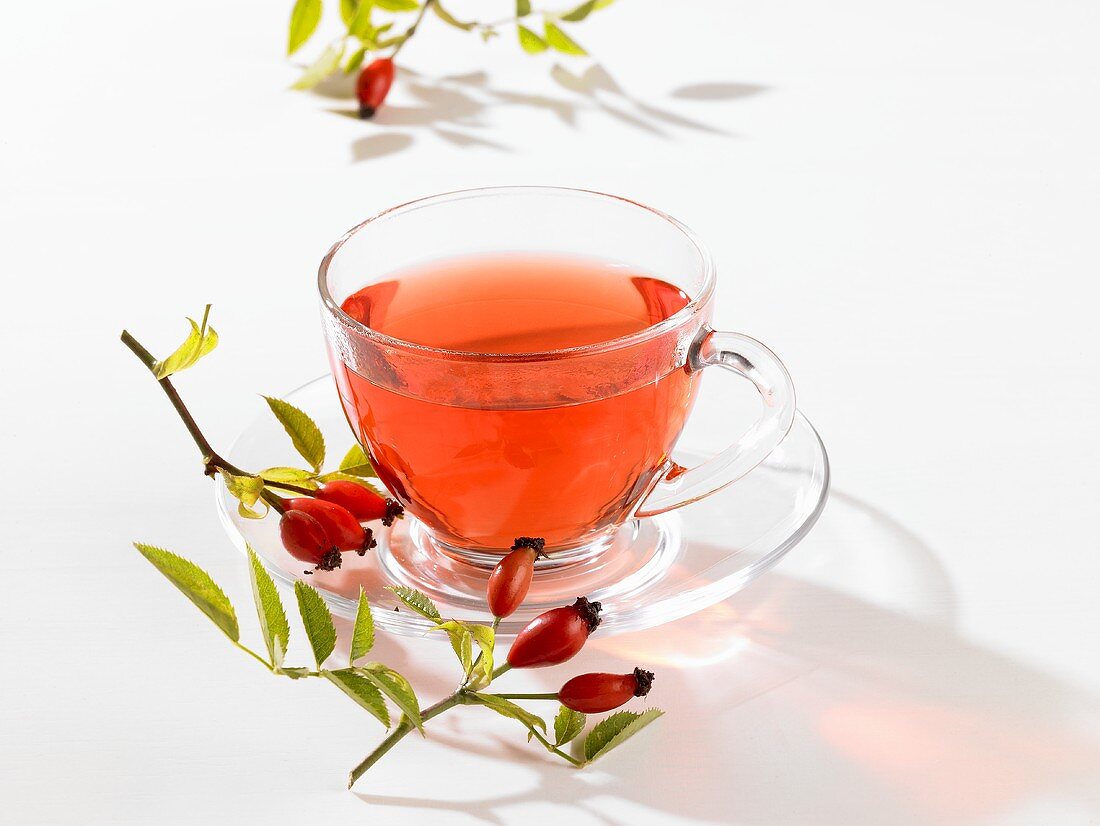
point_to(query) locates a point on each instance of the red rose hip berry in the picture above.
(364, 504)
(305, 539)
(556, 636)
(596, 693)
(373, 86)
(341, 527)
(511, 578)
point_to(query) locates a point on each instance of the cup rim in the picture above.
(653, 331)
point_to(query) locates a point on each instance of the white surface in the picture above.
(903, 200)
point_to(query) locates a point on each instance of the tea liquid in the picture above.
(479, 476)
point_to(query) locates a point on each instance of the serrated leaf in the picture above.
(347, 477)
(523, 8)
(249, 513)
(196, 585)
(317, 621)
(531, 42)
(360, 25)
(567, 725)
(326, 64)
(362, 690)
(245, 488)
(355, 61)
(200, 341)
(291, 476)
(269, 608)
(297, 673)
(304, 18)
(416, 601)
(580, 12)
(303, 431)
(396, 687)
(485, 638)
(362, 635)
(397, 5)
(616, 730)
(560, 41)
(461, 642)
(506, 708)
(356, 462)
(450, 20)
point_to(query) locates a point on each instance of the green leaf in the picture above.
(362, 636)
(249, 513)
(245, 488)
(360, 25)
(317, 621)
(580, 12)
(362, 690)
(603, 4)
(531, 42)
(397, 5)
(348, 9)
(303, 431)
(567, 725)
(196, 585)
(616, 730)
(450, 20)
(326, 64)
(506, 708)
(396, 687)
(485, 638)
(291, 475)
(269, 608)
(355, 61)
(346, 477)
(304, 18)
(523, 8)
(562, 42)
(357, 463)
(461, 642)
(417, 601)
(200, 341)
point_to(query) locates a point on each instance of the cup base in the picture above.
(612, 568)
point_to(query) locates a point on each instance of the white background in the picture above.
(903, 200)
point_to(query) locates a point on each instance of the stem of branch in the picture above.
(409, 32)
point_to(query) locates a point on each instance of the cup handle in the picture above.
(679, 486)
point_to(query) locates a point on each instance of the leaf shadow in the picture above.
(455, 109)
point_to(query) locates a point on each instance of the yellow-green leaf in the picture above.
(450, 19)
(580, 12)
(317, 621)
(461, 642)
(200, 341)
(562, 42)
(531, 42)
(417, 601)
(249, 513)
(485, 638)
(362, 635)
(397, 5)
(357, 463)
(303, 431)
(567, 725)
(360, 25)
(269, 608)
(245, 488)
(326, 64)
(355, 61)
(362, 690)
(290, 475)
(396, 687)
(196, 585)
(348, 9)
(523, 8)
(615, 730)
(304, 18)
(506, 708)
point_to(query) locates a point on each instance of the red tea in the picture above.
(480, 473)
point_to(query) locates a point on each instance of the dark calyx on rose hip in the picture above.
(555, 636)
(511, 578)
(597, 693)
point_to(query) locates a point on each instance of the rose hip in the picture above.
(364, 504)
(596, 693)
(340, 526)
(555, 636)
(373, 85)
(305, 539)
(511, 578)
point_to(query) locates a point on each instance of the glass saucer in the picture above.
(659, 569)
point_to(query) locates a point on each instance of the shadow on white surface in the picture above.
(453, 107)
(832, 692)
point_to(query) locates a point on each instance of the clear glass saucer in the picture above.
(658, 569)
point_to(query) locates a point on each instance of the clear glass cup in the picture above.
(557, 383)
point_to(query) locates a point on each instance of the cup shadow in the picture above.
(835, 690)
(454, 108)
